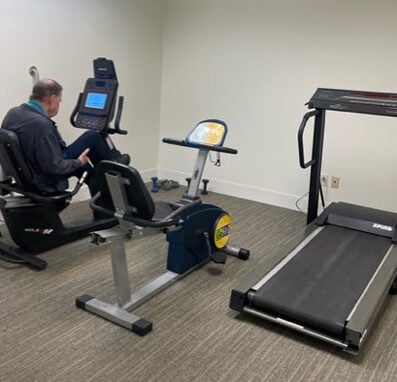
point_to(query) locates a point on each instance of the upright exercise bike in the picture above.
(33, 218)
(196, 231)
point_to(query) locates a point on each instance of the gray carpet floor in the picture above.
(196, 337)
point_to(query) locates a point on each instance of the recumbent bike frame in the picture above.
(196, 231)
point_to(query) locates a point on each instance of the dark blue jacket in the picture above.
(43, 147)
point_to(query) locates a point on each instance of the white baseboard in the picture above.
(257, 194)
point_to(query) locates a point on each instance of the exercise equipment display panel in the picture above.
(96, 105)
(355, 101)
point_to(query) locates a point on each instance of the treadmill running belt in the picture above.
(320, 285)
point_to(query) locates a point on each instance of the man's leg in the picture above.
(99, 149)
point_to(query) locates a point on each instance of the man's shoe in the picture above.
(123, 159)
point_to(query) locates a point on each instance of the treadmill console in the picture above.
(355, 101)
(96, 104)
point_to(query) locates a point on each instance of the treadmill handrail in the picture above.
(301, 131)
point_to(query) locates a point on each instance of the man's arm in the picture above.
(50, 157)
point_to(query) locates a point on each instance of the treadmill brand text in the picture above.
(382, 227)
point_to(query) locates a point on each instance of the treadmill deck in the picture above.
(321, 285)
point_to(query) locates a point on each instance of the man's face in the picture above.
(53, 105)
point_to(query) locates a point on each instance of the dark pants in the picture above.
(99, 150)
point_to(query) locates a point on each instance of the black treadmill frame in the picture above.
(367, 307)
(336, 100)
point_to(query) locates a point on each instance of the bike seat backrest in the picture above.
(13, 162)
(139, 200)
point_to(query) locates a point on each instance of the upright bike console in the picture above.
(208, 135)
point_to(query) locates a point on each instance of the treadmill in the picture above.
(331, 281)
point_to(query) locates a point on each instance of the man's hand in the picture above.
(83, 158)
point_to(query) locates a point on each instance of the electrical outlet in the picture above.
(335, 182)
(324, 180)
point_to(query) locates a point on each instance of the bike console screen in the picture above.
(96, 107)
(96, 100)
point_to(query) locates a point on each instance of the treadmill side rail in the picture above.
(370, 303)
(300, 328)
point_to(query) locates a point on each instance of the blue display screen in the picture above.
(96, 100)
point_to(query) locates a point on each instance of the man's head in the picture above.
(48, 93)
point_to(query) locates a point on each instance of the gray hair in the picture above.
(45, 88)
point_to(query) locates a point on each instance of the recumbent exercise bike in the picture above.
(33, 218)
(196, 231)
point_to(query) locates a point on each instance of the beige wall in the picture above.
(255, 64)
(63, 37)
(252, 63)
